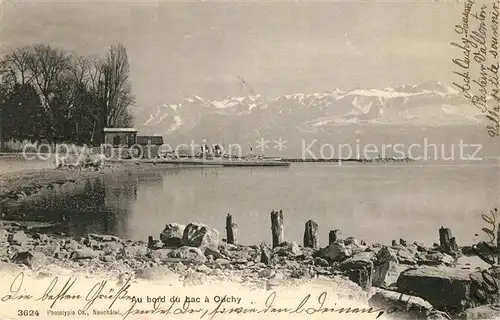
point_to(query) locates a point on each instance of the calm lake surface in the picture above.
(376, 203)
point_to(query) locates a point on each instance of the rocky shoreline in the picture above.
(417, 282)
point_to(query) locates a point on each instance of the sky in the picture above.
(177, 50)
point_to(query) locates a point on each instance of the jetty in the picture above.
(211, 162)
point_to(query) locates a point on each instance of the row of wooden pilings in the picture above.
(311, 234)
(362, 275)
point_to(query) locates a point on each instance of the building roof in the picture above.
(145, 140)
(131, 130)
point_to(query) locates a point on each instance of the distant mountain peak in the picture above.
(429, 103)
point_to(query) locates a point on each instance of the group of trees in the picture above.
(49, 94)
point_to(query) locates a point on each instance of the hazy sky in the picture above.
(180, 49)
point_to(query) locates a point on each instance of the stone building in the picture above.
(117, 142)
(120, 137)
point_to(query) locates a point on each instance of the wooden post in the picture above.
(150, 242)
(444, 239)
(231, 230)
(333, 236)
(453, 244)
(266, 255)
(277, 228)
(498, 243)
(311, 237)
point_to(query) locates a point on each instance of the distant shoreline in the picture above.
(349, 160)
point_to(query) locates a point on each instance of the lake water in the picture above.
(376, 203)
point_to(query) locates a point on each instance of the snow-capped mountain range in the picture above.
(337, 113)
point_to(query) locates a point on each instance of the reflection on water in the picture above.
(374, 203)
(98, 205)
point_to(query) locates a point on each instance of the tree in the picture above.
(117, 89)
(51, 93)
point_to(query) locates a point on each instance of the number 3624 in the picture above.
(28, 313)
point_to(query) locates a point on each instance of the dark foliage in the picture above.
(48, 94)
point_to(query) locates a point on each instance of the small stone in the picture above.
(193, 278)
(108, 258)
(321, 262)
(135, 250)
(190, 254)
(104, 238)
(203, 268)
(34, 260)
(222, 262)
(152, 273)
(110, 247)
(72, 245)
(351, 241)
(216, 272)
(266, 273)
(179, 266)
(214, 253)
(162, 255)
(19, 238)
(4, 236)
(50, 249)
(84, 253)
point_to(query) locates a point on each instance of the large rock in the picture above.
(360, 269)
(172, 235)
(288, 249)
(435, 259)
(359, 260)
(386, 254)
(337, 251)
(408, 307)
(449, 289)
(200, 236)
(188, 254)
(386, 274)
(406, 256)
(266, 254)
